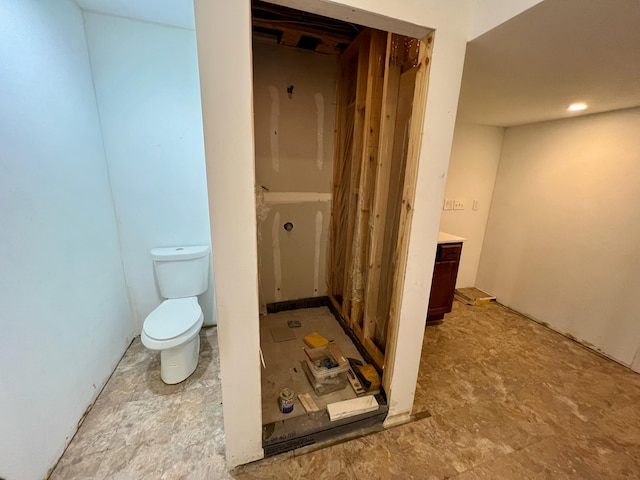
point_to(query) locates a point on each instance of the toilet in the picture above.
(174, 326)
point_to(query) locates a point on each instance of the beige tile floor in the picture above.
(510, 400)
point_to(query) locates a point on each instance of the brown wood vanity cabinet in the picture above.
(443, 285)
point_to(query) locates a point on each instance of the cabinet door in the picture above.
(443, 288)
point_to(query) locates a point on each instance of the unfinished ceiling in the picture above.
(294, 28)
(532, 67)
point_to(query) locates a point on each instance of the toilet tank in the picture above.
(181, 271)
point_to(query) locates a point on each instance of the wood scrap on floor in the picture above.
(350, 408)
(473, 296)
(308, 403)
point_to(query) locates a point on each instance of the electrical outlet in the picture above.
(448, 204)
(475, 204)
(458, 204)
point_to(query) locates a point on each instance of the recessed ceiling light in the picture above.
(574, 107)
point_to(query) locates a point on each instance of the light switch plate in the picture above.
(448, 204)
(458, 204)
(475, 204)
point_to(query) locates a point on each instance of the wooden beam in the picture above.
(339, 171)
(368, 162)
(374, 351)
(378, 221)
(356, 154)
(328, 37)
(369, 346)
(328, 48)
(411, 172)
(290, 38)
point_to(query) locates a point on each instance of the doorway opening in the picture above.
(338, 112)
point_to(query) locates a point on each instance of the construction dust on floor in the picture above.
(284, 359)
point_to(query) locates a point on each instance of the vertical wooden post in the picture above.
(356, 154)
(381, 188)
(368, 163)
(409, 191)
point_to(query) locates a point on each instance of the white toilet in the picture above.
(173, 327)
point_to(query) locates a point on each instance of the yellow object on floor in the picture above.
(370, 376)
(315, 340)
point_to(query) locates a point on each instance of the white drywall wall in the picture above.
(223, 32)
(294, 153)
(563, 233)
(65, 315)
(489, 14)
(472, 173)
(147, 86)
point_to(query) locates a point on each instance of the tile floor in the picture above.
(510, 400)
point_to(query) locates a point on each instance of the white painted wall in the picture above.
(472, 173)
(563, 233)
(294, 155)
(489, 14)
(225, 78)
(147, 86)
(65, 316)
(227, 107)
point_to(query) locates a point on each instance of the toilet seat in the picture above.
(173, 323)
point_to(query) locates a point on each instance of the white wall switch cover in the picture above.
(475, 205)
(458, 204)
(448, 204)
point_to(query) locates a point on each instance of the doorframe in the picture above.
(223, 34)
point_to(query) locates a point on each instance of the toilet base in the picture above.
(176, 364)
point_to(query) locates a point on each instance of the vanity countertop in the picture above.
(444, 237)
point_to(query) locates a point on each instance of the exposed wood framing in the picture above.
(368, 163)
(341, 170)
(381, 190)
(411, 173)
(356, 153)
(394, 201)
(380, 109)
(300, 30)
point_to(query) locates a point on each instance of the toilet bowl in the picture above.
(173, 328)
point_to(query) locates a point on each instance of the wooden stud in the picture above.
(374, 351)
(394, 203)
(339, 172)
(381, 191)
(323, 36)
(356, 154)
(290, 38)
(411, 172)
(368, 163)
(328, 48)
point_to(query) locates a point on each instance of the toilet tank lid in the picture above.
(167, 254)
